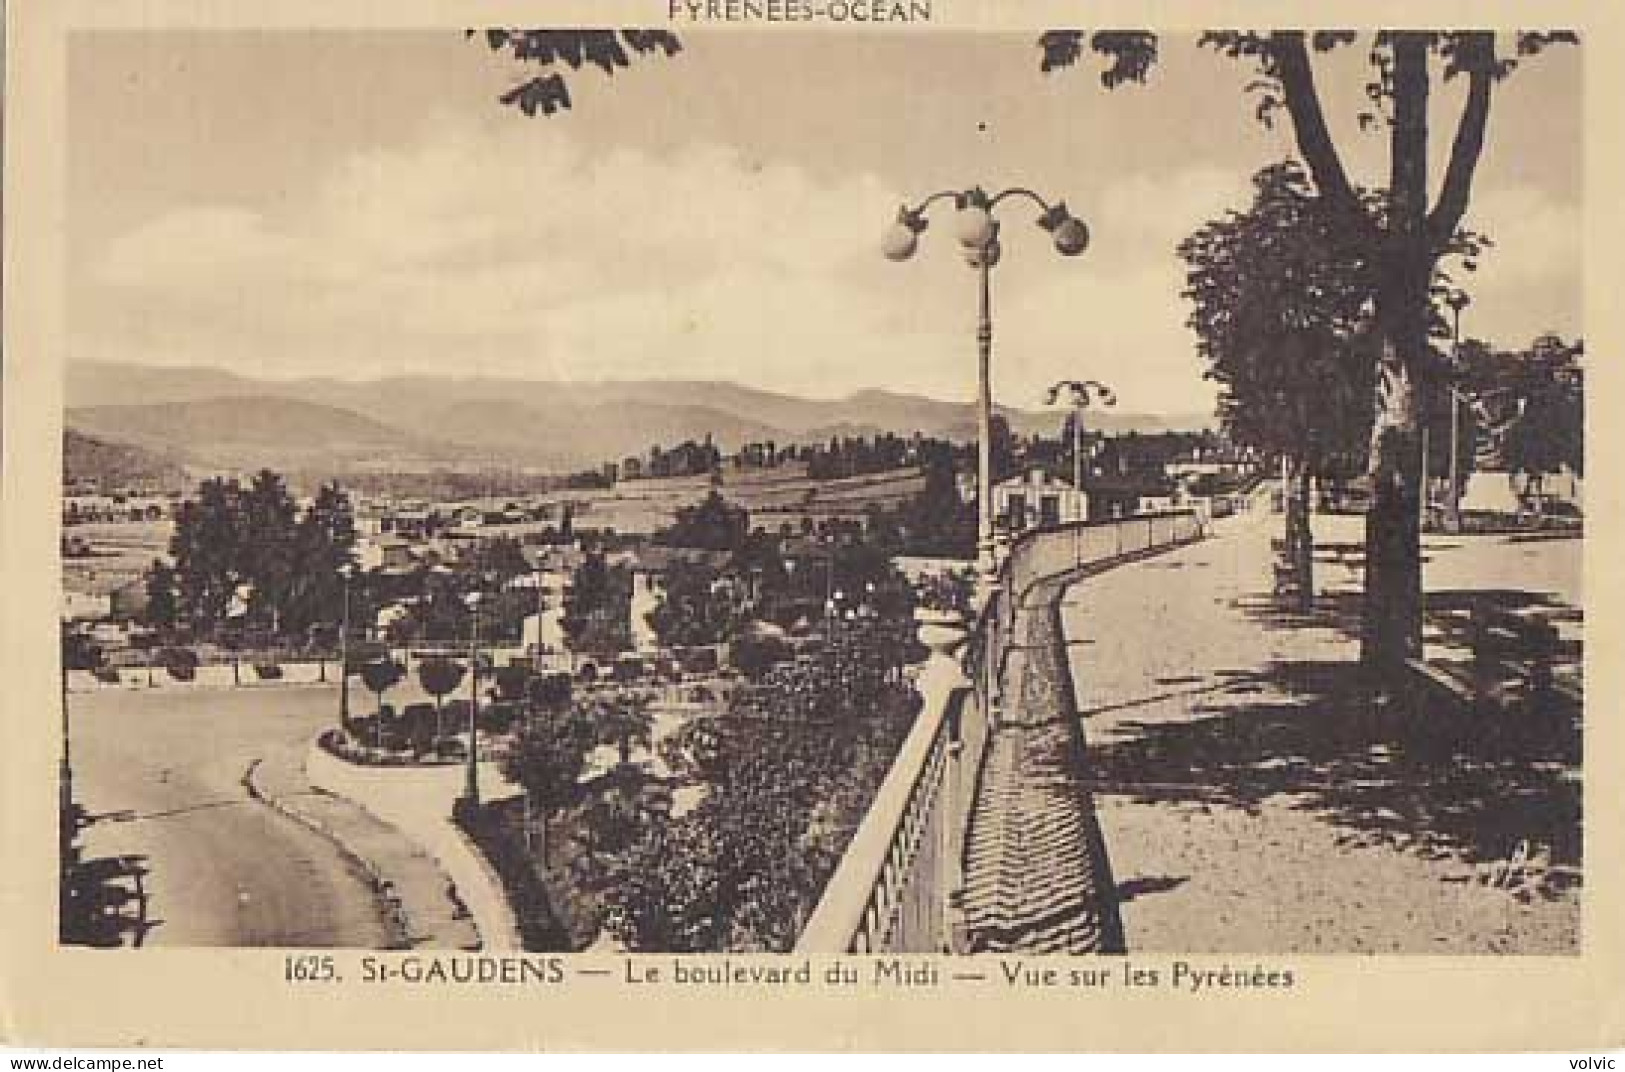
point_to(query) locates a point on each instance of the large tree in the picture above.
(713, 524)
(623, 718)
(1528, 406)
(1281, 308)
(697, 606)
(323, 544)
(268, 548)
(162, 609)
(597, 608)
(229, 537)
(548, 757)
(1403, 237)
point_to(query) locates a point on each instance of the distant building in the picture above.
(1224, 460)
(103, 596)
(1114, 497)
(390, 554)
(1038, 499)
(86, 606)
(407, 523)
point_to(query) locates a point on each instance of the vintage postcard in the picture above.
(811, 524)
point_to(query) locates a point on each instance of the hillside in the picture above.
(477, 422)
(249, 432)
(561, 433)
(105, 463)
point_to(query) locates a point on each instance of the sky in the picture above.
(356, 204)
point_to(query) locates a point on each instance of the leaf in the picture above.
(1061, 48)
(1132, 53)
(607, 50)
(1326, 40)
(547, 92)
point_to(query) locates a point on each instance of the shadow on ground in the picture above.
(104, 903)
(1425, 772)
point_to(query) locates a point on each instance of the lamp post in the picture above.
(1457, 300)
(1422, 489)
(978, 232)
(346, 572)
(471, 788)
(1081, 392)
(66, 816)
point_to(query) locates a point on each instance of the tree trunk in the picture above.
(1392, 627)
(541, 828)
(1300, 540)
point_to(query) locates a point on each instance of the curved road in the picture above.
(161, 773)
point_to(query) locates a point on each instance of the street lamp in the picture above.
(67, 817)
(977, 229)
(346, 572)
(1080, 392)
(471, 788)
(1457, 300)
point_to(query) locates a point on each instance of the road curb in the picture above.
(390, 909)
(478, 887)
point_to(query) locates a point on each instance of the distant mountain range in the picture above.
(212, 419)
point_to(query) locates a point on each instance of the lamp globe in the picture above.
(1071, 237)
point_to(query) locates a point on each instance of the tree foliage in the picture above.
(743, 869)
(698, 606)
(440, 676)
(1281, 308)
(1403, 235)
(230, 538)
(554, 50)
(381, 675)
(1527, 406)
(621, 717)
(712, 524)
(163, 607)
(597, 611)
(549, 754)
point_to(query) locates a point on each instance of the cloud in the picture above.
(513, 251)
(1530, 280)
(193, 248)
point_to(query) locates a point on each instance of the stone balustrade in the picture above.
(899, 887)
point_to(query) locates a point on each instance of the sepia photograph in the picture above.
(731, 488)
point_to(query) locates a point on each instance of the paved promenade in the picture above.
(1251, 804)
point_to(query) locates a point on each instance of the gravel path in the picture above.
(1251, 804)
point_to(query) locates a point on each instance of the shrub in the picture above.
(698, 660)
(755, 655)
(268, 671)
(946, 591)
(182, 663)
